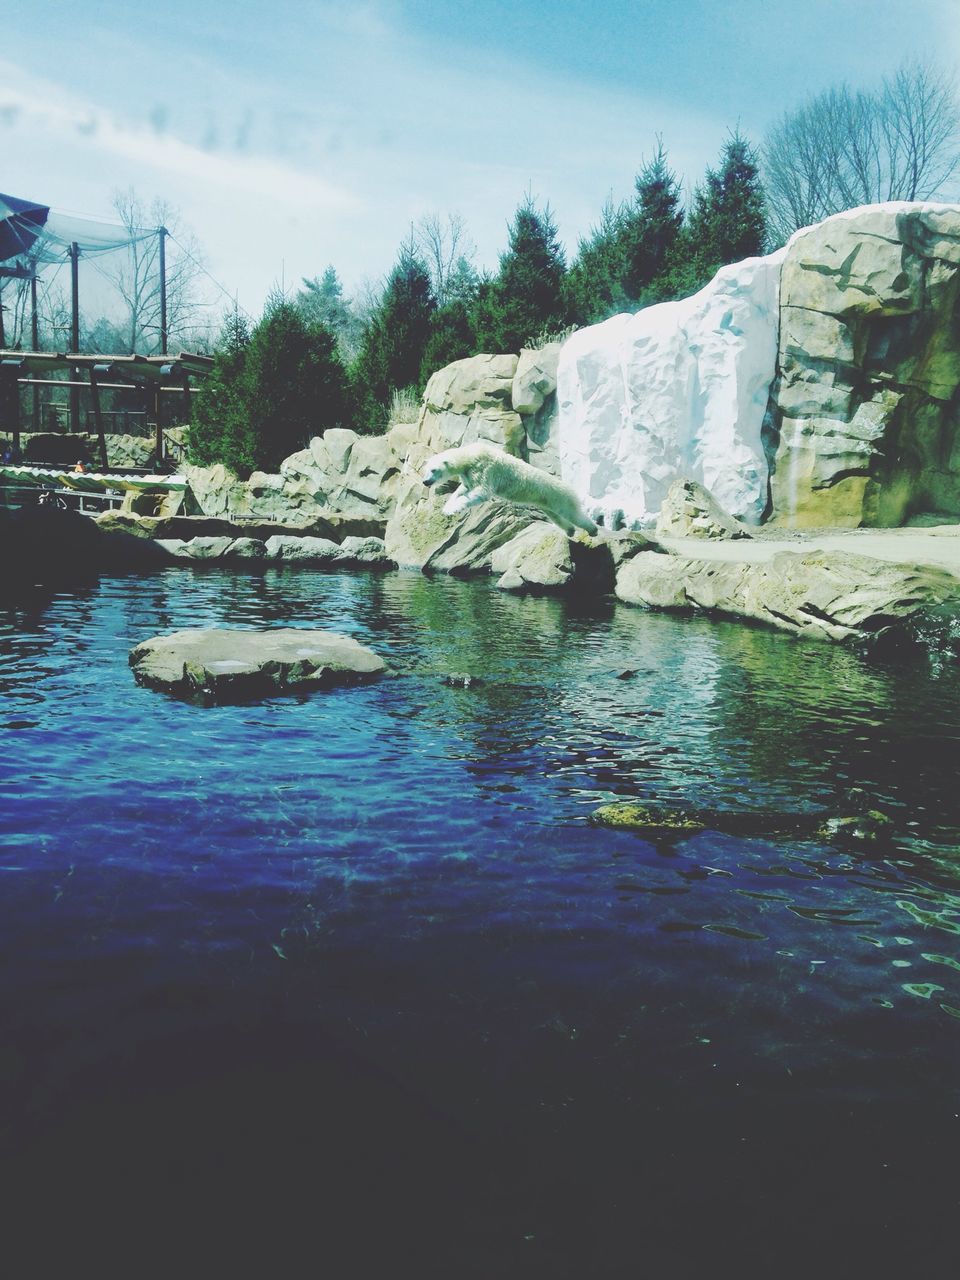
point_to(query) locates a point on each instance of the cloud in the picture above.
(53, 118)
(300, 153)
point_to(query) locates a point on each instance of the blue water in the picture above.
(358, 961)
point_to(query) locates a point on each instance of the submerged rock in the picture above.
(628, 815)
(640, 817)
(218, 665)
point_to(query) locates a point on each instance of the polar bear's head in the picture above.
(438, 468)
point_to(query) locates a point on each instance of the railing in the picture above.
(13, 496)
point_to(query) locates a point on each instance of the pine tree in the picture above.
(633, 244)
(321, 301)
(451, 338)
(294, 383)
(652, 226)
(727, 222)
(392, 350)
(528, 294)
(220, 430)
(595, 283)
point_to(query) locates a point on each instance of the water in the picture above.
(352, 972)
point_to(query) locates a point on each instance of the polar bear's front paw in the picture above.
(455, 504)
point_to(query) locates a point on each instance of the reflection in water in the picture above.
(405, 872)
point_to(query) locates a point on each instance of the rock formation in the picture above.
(865, 419)
(691, 511)
(678, 390)
(356, 553)
(818, 594)
(832, 365)
(217, 665)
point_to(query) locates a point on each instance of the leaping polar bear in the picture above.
(488, 473)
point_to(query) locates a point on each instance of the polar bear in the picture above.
(488, 473)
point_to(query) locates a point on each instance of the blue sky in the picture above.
(292, 135)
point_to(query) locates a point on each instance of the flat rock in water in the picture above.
(219, 665)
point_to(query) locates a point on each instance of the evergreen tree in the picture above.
(633, 245)
(321, 301)
(528, 293)
(294, 384)
(652, 226)
(451, 338)
(220, 430)
(595, 283)
(727, 221)
(391, 353)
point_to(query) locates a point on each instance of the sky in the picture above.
(291, 135)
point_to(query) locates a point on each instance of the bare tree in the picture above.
(448, 253)
(15, 294)
(136, 272)
(845, 148)
(366, 300)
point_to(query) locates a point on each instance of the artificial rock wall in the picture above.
(817, 385)
(864, 410)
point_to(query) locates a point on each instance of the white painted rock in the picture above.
(677, 390)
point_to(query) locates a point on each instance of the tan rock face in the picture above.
(535, 378)
(691, 511)
(537, 558)
(864, 410)
(420, 536)
(823, 595)
(471, 400)
(340, 473)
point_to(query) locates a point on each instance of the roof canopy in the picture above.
(34, 230)
(20, 224)
(133, 368)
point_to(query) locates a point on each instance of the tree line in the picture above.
(317, 359)
(313, 361)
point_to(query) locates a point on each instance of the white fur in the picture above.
(487, 473)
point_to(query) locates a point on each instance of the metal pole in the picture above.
(11, 387)
(75, 329)
(162, 232)
(158, 439)
(35, 343)
(3, 341)
(101, 438)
